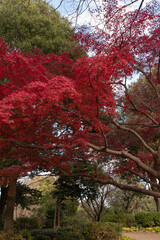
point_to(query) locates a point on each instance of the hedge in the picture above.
(126, 219)
(149, 219)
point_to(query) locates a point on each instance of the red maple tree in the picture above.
(55, 112)
(132, 41)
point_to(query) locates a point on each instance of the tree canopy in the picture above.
(36, 24)
(74, 106)
(56, 112)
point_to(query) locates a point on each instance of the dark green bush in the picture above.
(149, 219)
(15, 236)
(127, 220)
(43, 234)
(156, 218)
(61, 234)
(26, 223)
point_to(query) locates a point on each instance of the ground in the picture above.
(143, 235)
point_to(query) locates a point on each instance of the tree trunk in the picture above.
(157, 202)
(3, 199)
(55, 217)
(11, 198)
(59, 212)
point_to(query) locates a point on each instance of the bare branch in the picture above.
(59, 5)
(142, 177)
(129, 187)
(140, 6)
(139, 124)
(150, 82)
(105, 180)
(124, 153)
(136, 108)
(90, 214)
(158, 71)
(138, 136)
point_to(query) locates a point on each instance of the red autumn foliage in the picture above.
(53, 110)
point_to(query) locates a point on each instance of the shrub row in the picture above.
(125, 219)
(28, 228)
(149, 219)
(142, 219)
(91, 231)
(110, 227)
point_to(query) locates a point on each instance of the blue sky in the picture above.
(68, 7)
(61, 9)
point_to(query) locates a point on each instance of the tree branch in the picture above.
(137, 135)
(124, 153)
(136, 108)
(108, 180)
(150, 82)
(129, 188)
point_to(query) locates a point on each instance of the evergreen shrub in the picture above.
(26, 223)
(150, 219)
(60, 234)
(126, 219)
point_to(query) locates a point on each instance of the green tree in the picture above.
(36, 24)
(130, 202)
(26, 196)
(91, 195)
(56, 207)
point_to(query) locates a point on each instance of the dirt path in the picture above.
(143, 235)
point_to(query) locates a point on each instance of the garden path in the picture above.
(143, 235)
